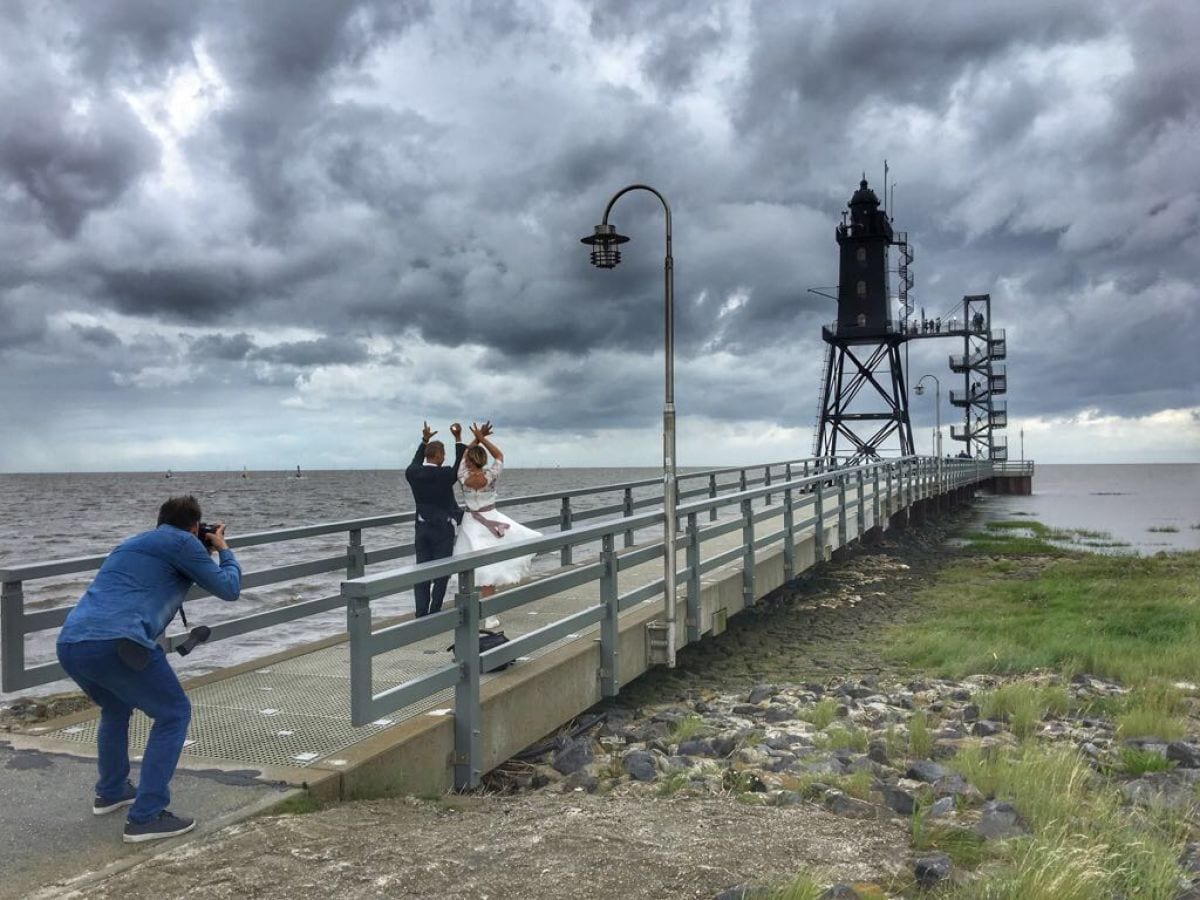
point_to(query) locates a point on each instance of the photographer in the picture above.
(108, 645)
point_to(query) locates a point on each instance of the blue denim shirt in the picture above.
(141, 586)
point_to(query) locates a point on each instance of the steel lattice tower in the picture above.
(864, 402)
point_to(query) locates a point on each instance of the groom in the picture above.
(432, 486)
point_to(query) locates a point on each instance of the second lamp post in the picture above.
(605, 255)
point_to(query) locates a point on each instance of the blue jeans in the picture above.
(118, 690)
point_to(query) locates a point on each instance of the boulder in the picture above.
(639, 764)
(761, 692)
(899, 800)
(927, 770)
(999, 821)
(850, 807)
(573, 755)
(840, 891)
(695, 747)
(1187, 755)
(931, 871)
(985, 728)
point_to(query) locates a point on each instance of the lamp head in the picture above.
(604, 242)
(919, 389)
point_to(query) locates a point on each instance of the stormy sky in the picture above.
(283, 233)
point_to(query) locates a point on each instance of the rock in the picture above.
(542, 776)
(573, 755)
(999, 821)
(826, 766)
(899, 800)
(850, 807)
(723, 744)
(701, 707)
(985, 728)
(695, 747)
(840, 892)
(955, 785)
(931, 871)
(961, 694)
(746, 709)
(761, 692)
(942, 806)
(1186, 754)
(645, 732)
(778, 713)
(679, 763)
(877, 752)
(927, 770)
(639, 764)
(1090, 750)
(970, 712)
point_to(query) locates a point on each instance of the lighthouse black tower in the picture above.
(864, 404)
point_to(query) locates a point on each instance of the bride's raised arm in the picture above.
(481, 433)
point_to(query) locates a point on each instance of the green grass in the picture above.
(1084, 844)
(672, 784)
(824, 712)
(1023, 705)
(1129, 618)
(686, 729)
(920, 737)
(838, 738)
(1139, 762)
(802, 887)
(967, 849)
(1163, 529)
(1154, 709)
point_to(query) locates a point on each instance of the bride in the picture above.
(483, 527)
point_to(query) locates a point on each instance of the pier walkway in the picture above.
(403, 705)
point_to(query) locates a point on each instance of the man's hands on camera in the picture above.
(213, 537)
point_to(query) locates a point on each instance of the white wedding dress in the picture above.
(480, 523)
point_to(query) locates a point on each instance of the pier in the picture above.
(410, 705)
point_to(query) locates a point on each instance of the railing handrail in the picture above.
(75, 564)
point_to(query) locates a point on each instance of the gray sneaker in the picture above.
(164, 825)
(102, 806)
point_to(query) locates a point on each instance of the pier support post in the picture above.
(694, 627)
(748, 592)
(467, 714)
(610, 672)
(789, 537)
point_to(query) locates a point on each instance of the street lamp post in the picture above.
(937, 408)
(605, 255)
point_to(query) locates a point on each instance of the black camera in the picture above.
(204, 531)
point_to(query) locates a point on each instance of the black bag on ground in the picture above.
(490, 640)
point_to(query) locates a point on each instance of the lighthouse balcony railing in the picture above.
(961, 362)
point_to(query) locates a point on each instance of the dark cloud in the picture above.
(192, 293)
(304, 354)
(393, 189)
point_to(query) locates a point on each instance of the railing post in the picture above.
(356, 555)
(819, 527)
(767, 482)
(712, 493)
(12, 636)
(467, 715)
(891, 501)
(862, 507)
(841, 481)
(789, 536)
(362, 692)
(564, 524)
(694, 626)
(748, 594)
(742, 480)
(610, 680)
(875, 508)
(627, 512)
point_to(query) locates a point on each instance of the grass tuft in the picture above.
(1139, 762)
(920, 737)
(823, 713)
(686, 729)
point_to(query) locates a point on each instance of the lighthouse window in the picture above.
(861, 255)
(862, 289)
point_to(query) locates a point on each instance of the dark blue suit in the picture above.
(437, 514)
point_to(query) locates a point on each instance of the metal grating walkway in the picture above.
(296, 713)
